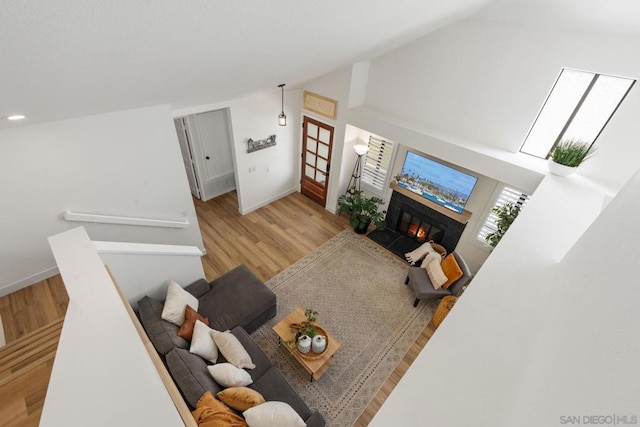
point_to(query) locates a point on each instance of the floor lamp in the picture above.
(354, 182)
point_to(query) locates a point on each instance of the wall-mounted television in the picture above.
(437, 182)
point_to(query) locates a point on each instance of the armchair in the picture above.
(419, 281)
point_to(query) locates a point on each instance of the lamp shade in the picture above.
(361, 149)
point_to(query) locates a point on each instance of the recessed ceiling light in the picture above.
(16, 117)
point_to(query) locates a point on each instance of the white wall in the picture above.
(486, 81)
(126, 163)
(269, 174)
(589, 342)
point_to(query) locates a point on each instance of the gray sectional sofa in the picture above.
(237, 301)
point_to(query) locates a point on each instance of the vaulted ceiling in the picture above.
(69, 58)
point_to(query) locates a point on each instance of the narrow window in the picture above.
(579, 106)
(377, 162)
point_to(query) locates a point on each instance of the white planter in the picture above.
(560, 170)
(319, 344)
(304, 344)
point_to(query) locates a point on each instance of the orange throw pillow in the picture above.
(210, 412)
(190, 317)
(451, 269)
(240, 398)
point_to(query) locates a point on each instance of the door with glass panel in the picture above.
(317, 138)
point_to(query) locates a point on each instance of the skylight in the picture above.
(579, 106)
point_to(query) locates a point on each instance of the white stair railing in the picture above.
(124, 220)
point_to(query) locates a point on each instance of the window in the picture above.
(580, 105)
(506, 195)
(377, 162)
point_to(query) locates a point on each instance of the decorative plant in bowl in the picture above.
(307, 335)
(568, 155)
(363, 210)
(307, 327)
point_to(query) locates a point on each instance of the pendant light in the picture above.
(282, 118)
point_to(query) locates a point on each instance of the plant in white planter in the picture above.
(568, 155)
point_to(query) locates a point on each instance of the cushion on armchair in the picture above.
(451, 269)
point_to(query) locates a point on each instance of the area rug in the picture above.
(357, 287)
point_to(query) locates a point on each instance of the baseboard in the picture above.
(28, 281)
(266, 202)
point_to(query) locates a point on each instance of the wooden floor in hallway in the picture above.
(267, 240)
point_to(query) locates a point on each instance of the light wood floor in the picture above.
(267, 240)
(32, 319)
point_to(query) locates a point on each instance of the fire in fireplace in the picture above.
(418, 228)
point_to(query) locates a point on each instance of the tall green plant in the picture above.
(571, 152)
(507, 213)
(362, 209)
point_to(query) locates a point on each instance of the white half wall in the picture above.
(142, 269)
(125, 163)
(589, 341)
(102, 371)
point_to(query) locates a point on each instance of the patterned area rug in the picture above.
(358, 289)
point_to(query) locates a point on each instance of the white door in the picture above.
(210, 140)
(215, 139)
(187, 156)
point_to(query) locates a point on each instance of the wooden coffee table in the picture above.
(315, 364)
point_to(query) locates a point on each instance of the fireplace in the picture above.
(410, 223)
(418, 228)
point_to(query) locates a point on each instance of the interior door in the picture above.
(187, 157)
(317, 139)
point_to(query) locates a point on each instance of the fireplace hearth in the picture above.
(410, 223)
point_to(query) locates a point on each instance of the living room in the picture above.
(466, 94)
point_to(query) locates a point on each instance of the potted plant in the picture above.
(506, 213)
(362, 209)
(568, 155)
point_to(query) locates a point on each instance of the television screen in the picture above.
(434, 181)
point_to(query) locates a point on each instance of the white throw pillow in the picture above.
(431, 256)
(273, 413)
(202, 342)
(232, 350)
(228, 375)
(436, 275)
(176, 303)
